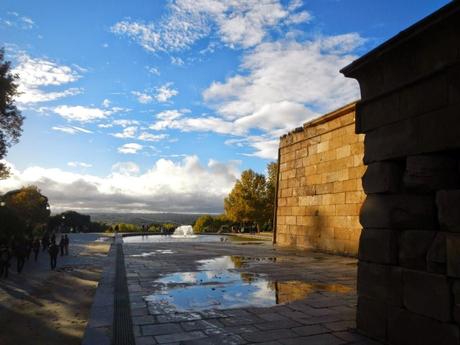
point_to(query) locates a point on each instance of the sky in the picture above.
(157, 106)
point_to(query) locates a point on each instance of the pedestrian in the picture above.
(20, 252)
(28, 243)
(45, 241)
(53, 251)
(66, 244)
(36, 248)
(61, 245)
(5, 257)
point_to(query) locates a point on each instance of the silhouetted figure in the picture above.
(53, 238)
(66, 244)
(36, 248)
(53, 251)
(5, 257)
(20, 252)
(28, 242)
(61, 245)
(45, 242)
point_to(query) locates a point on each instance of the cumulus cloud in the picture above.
(153, 70)
(238, 23)
(81, 114)
(71, 129)
(182, 186)
(145, 136)
(131, 148)
(165, 92)
(142, 97)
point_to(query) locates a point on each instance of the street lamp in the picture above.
(2, 203)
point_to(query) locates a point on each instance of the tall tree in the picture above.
(272, 180)
(10, 116)
(247, 200)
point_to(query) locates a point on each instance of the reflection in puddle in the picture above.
(156, 252)
(218, 285)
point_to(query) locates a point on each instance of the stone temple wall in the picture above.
(319, 184)
(409, 254)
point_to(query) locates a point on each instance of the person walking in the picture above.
(36, 248)
(53, 251)
(62, 245)
(66, 244)
(20, 252)
(5, 257)
(45, 241)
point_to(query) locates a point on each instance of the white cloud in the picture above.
(175, 60)
(106, 103)
(14, 19)
(165, 92)
(145, 136)
(80, 113)
(142, 97)
(105, 45)
(131, 148)
(71, 129)
(125, 122)
(153, 70)
(128, 132)
(238, 23)
(183, 186)
(36, 73)
(79, 165)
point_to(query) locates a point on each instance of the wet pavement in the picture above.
(227, 293)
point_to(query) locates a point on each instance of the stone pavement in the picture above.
(282, 297)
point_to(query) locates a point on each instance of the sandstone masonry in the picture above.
(319, 184)
(409, 254)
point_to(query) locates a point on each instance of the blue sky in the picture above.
(159, 105)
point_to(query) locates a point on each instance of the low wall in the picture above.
(319, 184)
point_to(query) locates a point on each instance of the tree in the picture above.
(10, 116)
(29, 205)
(247, 200)
(272, 180)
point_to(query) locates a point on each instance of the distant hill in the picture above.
(144, 218)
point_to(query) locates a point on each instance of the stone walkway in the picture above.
(303, 299)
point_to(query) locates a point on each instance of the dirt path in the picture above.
(54, 309)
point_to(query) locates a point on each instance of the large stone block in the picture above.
(453, 255)
(456, 294)
(382, 177)
(371, 317)
(380, 282)
(448, 202)
(413, 248)
(427, 294)
(406, 328)
(379, 246)
(398, 212)
(436, 256)
(426, 173)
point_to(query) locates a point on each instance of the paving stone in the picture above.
(143, 320)
(278, 334)
(159, 329)
(177, 317)
(224, 339)
(197, 325)
(310, 330)
(272, 317)
(179, 337)
(145, 341)
(340, 325)
(277, 324)
(320, 339)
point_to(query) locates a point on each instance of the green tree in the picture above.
(10, 117)
(247, 200)
(29, 205)
(203, 223)
(272, 180)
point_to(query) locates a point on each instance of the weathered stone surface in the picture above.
(398, 212)
(427, 294)
(456, 294)
(380, 282)
(448, 202)
(379, 246)
(371, 317)
(413, 248)
(436, 256)
(426, 173)
(382, 177)
(453, 255)
(406, 328)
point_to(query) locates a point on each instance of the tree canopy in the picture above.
(10, 116)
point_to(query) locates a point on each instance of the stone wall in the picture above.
(319, 184)
(409, 254)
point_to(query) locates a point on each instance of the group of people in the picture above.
(22, 248)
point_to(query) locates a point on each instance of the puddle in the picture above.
(218, 285)
(156, 252)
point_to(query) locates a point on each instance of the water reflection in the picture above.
(155, 252)
(218, 285)
(172, 238)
